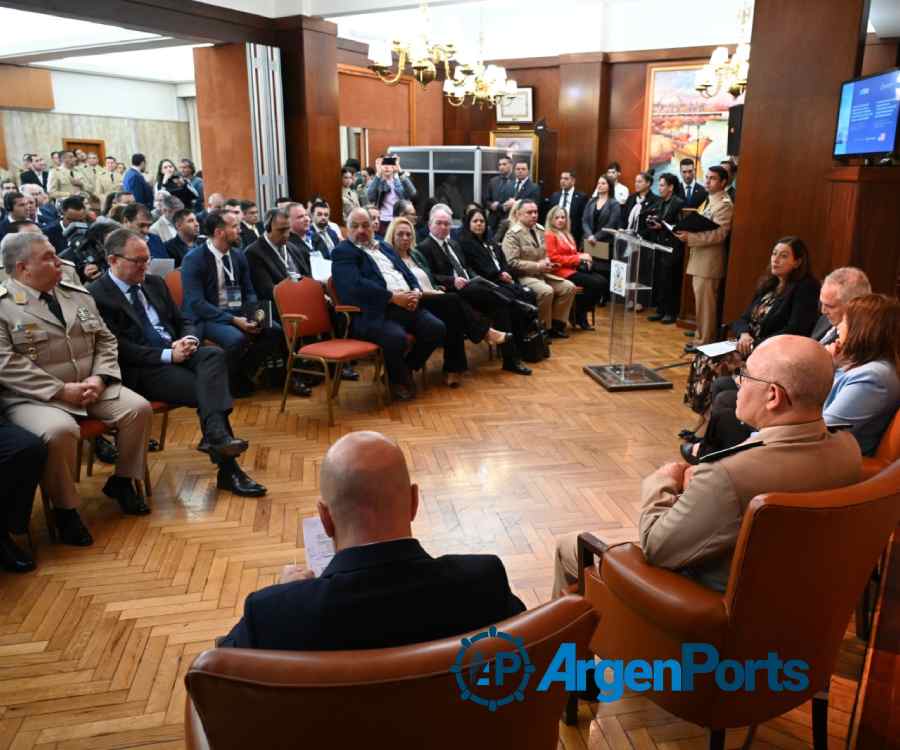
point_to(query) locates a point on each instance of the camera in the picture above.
(390, 161)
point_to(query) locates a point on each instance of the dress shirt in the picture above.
(284, 256)
(689, 190)
(220, 272)
(166, 356)
(326, 238)
(420, 274)
(621, 193)
(252, 228)
(565, 199)
(452, 257)
(392, 277)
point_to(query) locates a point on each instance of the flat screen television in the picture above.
(867, 116)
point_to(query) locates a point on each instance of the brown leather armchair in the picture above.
(404, 697)
(888, 450)
(800, 564)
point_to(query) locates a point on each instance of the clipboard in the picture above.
(693, 222)
(597, 249)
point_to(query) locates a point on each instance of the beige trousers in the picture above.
(554, 298)
(129, 414)
(705, 299)
(565, 563)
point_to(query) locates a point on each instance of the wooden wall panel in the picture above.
(428, 125)
(223, 117)
(880, 55)
(624, 137)
(25, 88)
(580, 99)
(368, 103)
(788, 131)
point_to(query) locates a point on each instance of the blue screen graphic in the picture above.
(867, 119)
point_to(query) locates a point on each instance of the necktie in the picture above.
(151, 335)
(326, 238)
(534, 237)
(565, 203)
(457, 266)
(53, 304)
(518, 186)
(690, 190)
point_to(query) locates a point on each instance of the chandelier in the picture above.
(722, 73)
(423, 55)
(478, 84)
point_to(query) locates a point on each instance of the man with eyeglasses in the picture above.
(162, 359)
(58, 363)
(691, 515)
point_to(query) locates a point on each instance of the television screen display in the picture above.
(867, 116)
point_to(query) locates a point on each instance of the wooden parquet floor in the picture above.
(94, 645)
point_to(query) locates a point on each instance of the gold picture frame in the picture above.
(514, 140)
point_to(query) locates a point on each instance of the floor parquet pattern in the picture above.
(94, 645)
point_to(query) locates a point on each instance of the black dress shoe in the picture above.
(299, 388)
(105, 451)
(655, 317)
(690, 349)
(689, 436)
(153, 445)
(558, 333)
(122, 490)
(348, 373)
(70, 528)
(220, 448)
(584, 325)
(516, 366)
(232, 478)
(402, 393)
(12, 557)
(668, 320)
(687, 453)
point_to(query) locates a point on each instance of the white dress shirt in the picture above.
(221, 273)
(394, 280)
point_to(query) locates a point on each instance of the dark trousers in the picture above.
(461, 322)
(200, 382)
(724, 429)
(428, 331)
(499, 304)
(596, 290)
(668, 277)
(22, 459)
(244, 353)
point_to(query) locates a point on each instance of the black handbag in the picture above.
(534, 347)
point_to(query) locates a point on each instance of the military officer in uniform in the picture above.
(108, 180)
(67, 179)
(523, 246)
(92, 172)
(691, 516)
(58, 362)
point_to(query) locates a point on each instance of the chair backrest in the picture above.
(800, 565)
(889, 447)
(307, 298)
(390, 698)
(332, 290)
(173, 281)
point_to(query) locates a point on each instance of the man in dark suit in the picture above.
(187, 230)
(272, 259)
(37, 175)
(369, 275)
(300, 221)
(574, 201)
(693, 192)
(499, 193)
(838, 288)
(251, 228)
(324, 238)
(381, 589)
(162, 359)
(524, 188)
(135, 183)
(217, 294)
(15, 206)
(668, 270)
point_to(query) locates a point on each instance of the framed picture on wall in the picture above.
(680, 123)
(518, 107)
(518, 141)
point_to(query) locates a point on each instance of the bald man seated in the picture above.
(691, 515)
(381, 589)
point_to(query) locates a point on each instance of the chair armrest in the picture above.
(589, 545)
(671, 601)
(300, 317)
(347, 309)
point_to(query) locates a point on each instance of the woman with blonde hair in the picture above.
(461, 320)
(577, 267)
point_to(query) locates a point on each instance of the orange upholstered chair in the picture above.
(173, 281)
(799, 566)
(385, 699)
(888, 450)
(304, 313)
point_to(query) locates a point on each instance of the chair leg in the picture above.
(329, 396)
(378, 383)
(90, 458)
(148, 488)
(716, 739)
(289, 370)
(79, 453)
(48, 516)
(820, 720)
(164, 429)
(570, 712)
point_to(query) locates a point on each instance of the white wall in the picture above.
(104, 96)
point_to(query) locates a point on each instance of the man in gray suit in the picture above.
(839, 287)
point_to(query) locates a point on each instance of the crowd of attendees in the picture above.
(810, 388)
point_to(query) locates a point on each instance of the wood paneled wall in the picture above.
(788, 132)
(25, 88)
(223, 118)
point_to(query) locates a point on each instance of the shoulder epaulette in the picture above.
(74, 287)
(718, 455)
(66, 262)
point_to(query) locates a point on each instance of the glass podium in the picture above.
(630, 282)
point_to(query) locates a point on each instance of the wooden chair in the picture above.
(176, 289)
(301, 306)
(381, 699)
(800, 563)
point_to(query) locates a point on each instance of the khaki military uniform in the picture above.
(91, 178)
(61, 182)
(694, 531)
(107, 182)
(706, 263)
(524, 249)
(38, 356)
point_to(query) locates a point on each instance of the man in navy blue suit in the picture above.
(381, 589)
(134, 182)
(217, 290)
(369, 275)
(324, 239)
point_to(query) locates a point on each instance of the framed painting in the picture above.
(518, 107)
(681, 123)
(516, 142)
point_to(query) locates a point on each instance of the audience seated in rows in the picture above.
(691, 516)
(381, 589)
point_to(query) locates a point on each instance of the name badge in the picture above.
(294, 275)
(233, 296)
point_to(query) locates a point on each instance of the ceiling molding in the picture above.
(88, 50)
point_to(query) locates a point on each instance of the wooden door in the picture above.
(86, 145)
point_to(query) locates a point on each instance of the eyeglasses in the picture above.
(136, 261)
(742, 374)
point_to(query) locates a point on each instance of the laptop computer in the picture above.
(161, 266)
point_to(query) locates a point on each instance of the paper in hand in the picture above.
(318, 545)
(718, 348)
